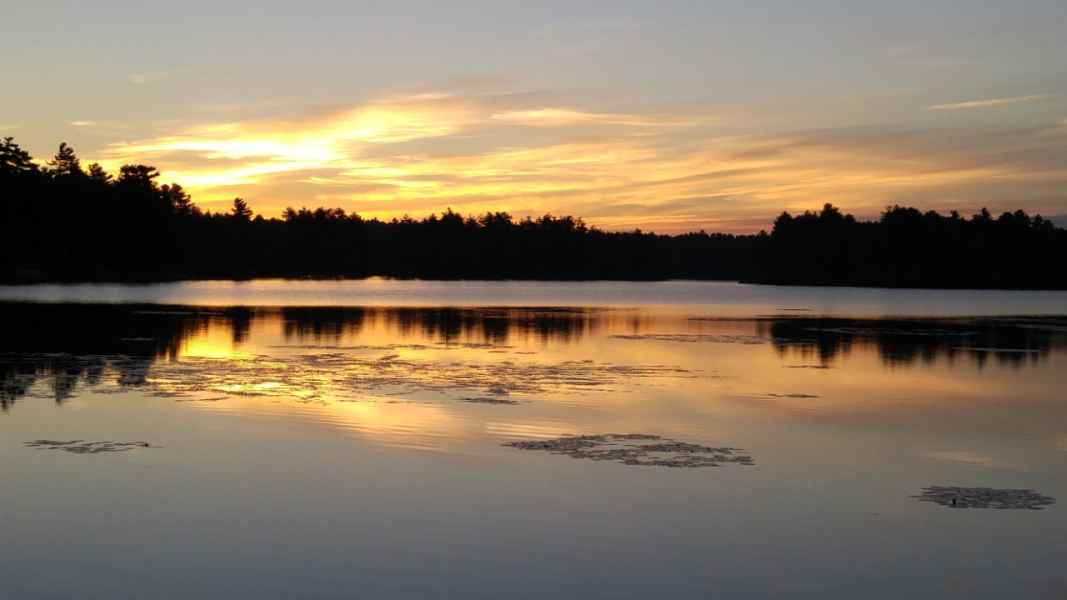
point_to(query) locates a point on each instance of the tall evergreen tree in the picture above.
(240, 210)
(13, 159)
(65, 163)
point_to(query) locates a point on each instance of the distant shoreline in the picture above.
(342, 278)
(63, 223)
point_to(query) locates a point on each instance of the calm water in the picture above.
(346, 439)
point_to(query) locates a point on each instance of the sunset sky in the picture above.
(663, 115)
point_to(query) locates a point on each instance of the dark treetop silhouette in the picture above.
(63, 222)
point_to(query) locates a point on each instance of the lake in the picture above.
(409, 439)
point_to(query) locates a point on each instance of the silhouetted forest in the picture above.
(66, 222)
(910, 248)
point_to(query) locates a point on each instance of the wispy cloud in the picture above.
(420, 152)
(100, 126)
(989, 103)
(337, 141)
(559, 117)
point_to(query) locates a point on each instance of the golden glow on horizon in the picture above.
(421, 153)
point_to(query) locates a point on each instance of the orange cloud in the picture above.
(423, 152)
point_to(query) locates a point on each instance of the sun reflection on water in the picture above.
(445, 378)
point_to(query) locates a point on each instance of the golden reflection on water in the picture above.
(349, 434)
(212, 342)
(453, 378)
(401, 378)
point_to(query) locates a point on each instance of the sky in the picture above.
(667, 116)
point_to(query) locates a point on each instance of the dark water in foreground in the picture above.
(326, 452)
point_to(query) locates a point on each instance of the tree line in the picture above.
(63, 221)
(910, 248)
(66, 222)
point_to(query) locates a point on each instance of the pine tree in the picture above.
(65, 163)
(180, 201)
(98, 175)
(13, 159)
(240, 211)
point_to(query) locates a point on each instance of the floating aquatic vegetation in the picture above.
(344, 376)
(961, 497)
(785, 396)
(484, 400)
(820, 367)
(637, 449)
(692, 338)
(87, 447)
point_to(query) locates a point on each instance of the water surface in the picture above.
(321, 440)
(717, 297)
